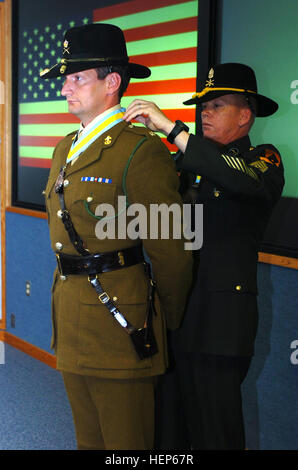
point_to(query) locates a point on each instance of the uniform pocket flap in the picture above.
(127, 286)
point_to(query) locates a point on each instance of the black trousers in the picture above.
(199, 403)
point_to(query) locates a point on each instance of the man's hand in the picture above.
(150, 115)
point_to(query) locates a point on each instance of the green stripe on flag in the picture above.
(47, 129)
(43, 107)
(165, 43)
(36, 152)
(157, 15)
(169, 72)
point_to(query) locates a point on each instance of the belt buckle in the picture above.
(104, 298)
(59, 264)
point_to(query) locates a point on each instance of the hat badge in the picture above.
(210, 82)
(65, 46)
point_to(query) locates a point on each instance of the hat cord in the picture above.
(207, 89)
(94, 59)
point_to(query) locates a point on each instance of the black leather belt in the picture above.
(99, 262)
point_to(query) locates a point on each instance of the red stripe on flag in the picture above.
(178, 56)
(161, 29)
(35, 162)
(39, 141)
(127, 8)
(51, 118)
(162, 87)
(186, 115)
(171, 147)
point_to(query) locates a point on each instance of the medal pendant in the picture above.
(60, 181)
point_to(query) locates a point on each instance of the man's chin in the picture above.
(73, 108)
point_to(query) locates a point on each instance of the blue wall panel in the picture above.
(29, 258)
(270, 390)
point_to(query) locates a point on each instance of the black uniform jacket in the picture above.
(239, 187)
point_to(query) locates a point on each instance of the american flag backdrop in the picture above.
(161, 34)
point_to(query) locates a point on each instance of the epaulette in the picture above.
(142, 130)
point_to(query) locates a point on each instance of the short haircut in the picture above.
(247, 101)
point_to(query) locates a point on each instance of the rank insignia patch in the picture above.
(96, 179)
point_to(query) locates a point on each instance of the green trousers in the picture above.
(111, 414)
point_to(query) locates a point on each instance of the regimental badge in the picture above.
(65, 46)
(108, 140)
(210, 82)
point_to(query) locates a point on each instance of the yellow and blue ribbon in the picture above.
(83, 142)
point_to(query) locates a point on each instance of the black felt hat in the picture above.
(230, 78)
(91, 46)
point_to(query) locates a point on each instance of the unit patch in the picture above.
(271, 157)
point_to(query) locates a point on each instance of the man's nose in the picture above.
(66, 88)
(205, 112)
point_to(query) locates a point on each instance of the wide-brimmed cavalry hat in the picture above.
(91, 46)
(230, 78)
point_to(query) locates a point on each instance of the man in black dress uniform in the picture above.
(238, 185)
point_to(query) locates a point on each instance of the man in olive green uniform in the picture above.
(101, 301)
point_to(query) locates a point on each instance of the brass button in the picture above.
(239, 288)
(59, 213)
(115, 299)
(216, 193)
(65, 183)
(89, 199)
(59, 246)
(63, 278)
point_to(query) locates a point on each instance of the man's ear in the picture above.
(113, 82)
(245, 117)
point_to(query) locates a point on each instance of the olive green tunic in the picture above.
(86, 338)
